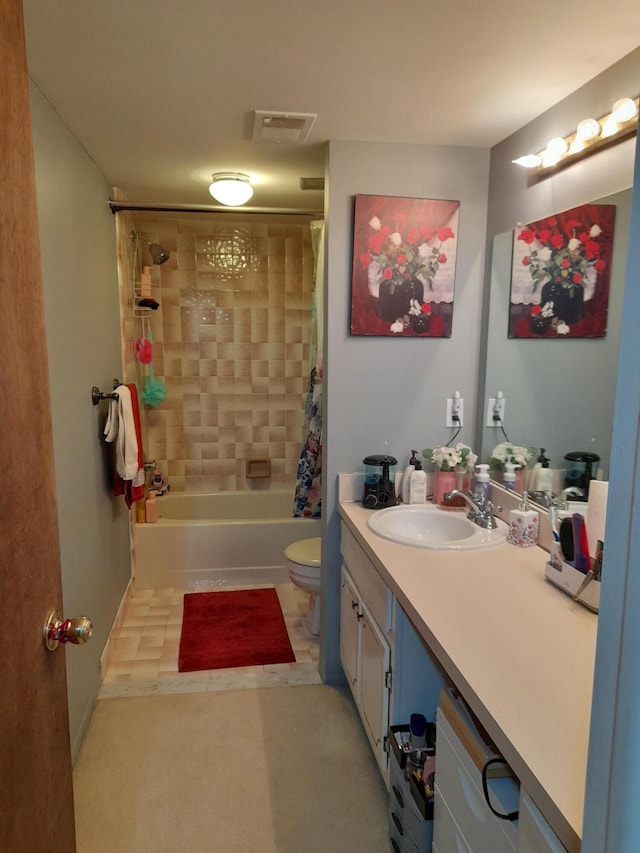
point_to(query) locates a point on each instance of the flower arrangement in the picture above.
(563, 255)
(506, 452)
(417, 253)
(458, 458)
(402, 261)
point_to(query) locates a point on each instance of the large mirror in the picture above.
(559, 393)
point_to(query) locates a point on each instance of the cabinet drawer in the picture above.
(402, 804)
(460, 784)
(534, 833)
(401, 844)
(370, 585)
(447, 837)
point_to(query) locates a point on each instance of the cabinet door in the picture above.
(375, 656)
(350, 614)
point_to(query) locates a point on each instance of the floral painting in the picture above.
(404, 258)
(561, 273)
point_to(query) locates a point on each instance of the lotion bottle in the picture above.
(418, 485)
(534, 477)
(406, 478)
(545, 477)
(481, 491)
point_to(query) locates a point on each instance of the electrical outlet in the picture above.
(495, 411)
(454, 411)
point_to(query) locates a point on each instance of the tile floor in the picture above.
(142, 656)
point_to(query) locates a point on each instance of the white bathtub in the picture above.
(213, 539)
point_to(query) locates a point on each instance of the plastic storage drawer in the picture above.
(459, 783)
(446, 832)
(405, 820)
(534, 833)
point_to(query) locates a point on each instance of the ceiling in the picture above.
(161, 93)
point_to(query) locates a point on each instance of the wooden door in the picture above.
(36, 800)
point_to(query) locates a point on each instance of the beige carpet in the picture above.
(276, 770)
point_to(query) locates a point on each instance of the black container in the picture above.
(379, 474)
(580, 468)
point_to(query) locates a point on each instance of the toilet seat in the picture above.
(305, 552)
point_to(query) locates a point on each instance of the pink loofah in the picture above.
(144, 350)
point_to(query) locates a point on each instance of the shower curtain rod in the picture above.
(117, 206)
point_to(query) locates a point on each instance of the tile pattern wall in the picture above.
(230, 342)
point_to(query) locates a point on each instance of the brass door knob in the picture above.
(57, 630)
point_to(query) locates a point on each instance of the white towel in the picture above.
(120, 427)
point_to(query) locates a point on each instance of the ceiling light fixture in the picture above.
(590, 136)
(231, 188)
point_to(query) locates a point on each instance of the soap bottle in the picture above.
(523, 526)
(151, 508)
(545, 477)
(406, 477)
(509, 479)
(534, 477)
(418, 485)
(141, 510)
(145, 283)
(482, 488)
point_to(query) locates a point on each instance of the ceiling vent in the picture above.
(271, 126)
(311, 183)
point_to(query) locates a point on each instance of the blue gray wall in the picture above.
(77, 237)
(388, 394)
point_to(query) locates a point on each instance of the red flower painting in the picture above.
(403, 266)
(561, 267)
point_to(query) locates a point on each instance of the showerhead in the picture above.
(158, 254)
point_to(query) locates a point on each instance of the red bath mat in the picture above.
(233, 628)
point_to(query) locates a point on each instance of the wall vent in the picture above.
(311, 183)
(271, 126)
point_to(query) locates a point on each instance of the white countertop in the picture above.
(520, 650)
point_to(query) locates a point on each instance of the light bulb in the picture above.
(623, 110)
(231, 188)
(529, 161)
(587, 129)
(610, 127)
(557, 147)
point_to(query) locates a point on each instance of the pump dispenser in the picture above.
(418, 485)
(509, 479)
(534, 477)
(406, 477)
(523, 526)
(545, 476)
(482, 483)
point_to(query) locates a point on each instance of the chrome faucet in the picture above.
(480, 511)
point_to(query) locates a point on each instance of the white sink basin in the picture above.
(428, 526)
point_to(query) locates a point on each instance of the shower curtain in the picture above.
(307, 502)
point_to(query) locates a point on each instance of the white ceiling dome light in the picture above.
(231, 188)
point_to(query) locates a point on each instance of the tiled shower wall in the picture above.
(230, 342)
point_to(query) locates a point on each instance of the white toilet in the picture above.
(304, 567)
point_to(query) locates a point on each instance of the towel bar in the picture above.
(97, 394)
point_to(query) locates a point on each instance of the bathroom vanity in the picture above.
(486, 621)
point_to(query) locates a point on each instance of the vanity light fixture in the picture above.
(590, 136)
(231, 188)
